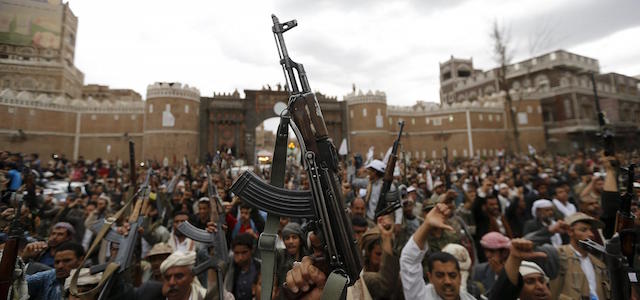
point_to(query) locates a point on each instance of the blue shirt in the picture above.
(43, 285)
(16, 180)
(244, 282)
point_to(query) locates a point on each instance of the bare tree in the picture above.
(502, 53)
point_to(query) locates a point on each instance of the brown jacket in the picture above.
(571, 283)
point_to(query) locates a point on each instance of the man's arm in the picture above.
(411, 271)
(509, 282)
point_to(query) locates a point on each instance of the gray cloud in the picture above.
(574, 24)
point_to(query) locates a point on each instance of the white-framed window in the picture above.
(32, 112)
(413, 121)
(379, 121)
(186, 109)
(390, 120)
(424, 154)
(490, 118)
(523, 118)
(379, 112)
(437, 122)
(450, 118)
(498, 118)
(484, 152)
(455, 153)
(417, 154)
(490, 152)
(93, 117)
(150, 108)
(480, 117)
(167, 107)
(539, 109)
(529, 109)
(465, 153)
(433, 154)
(11, 110)
(351, 113)
(116, 117)
(133, 117)
(364, 112)
(426, 120)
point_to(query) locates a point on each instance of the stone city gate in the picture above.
(230, 121)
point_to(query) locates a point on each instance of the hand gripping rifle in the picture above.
(216, 241)
(619, 252)
(11, 247)
(127, 247)
(383, 207)
(325, 204)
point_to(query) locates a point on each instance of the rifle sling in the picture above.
(267, 246)
(268, 238)
(335, 287)
(111, 267)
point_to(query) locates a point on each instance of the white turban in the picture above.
(527, 268)
(464, 261)
(84, 278)
(542, 203)
(178, 259)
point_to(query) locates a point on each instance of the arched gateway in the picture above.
(230, 120)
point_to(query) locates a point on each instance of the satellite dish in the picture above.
(279, 107)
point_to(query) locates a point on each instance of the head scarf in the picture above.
(464, 260)
(542, 203)
(178, 259)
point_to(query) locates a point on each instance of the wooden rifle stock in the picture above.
(382, 208)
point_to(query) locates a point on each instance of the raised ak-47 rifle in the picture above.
(11, 246)
(124, 258)
(324, 203)
(216, 241)
(383, 207)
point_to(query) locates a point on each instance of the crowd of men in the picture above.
(480, 228)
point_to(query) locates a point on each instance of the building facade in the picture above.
(47, 109)
(562, 82)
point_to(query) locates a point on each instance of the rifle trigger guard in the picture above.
(267, 241)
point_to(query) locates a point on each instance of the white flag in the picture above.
(386, 156)
(343, 148)
(369, 156)
(429, 180)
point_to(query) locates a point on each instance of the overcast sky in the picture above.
(392, 46)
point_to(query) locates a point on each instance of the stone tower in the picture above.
(171, 122)
(368, 122)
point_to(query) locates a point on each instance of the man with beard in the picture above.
(561, 201)
(177, 240)
(60, 233)
(488, 218)
(444, 270)
(178, 280)
(49, 284)
(543, 213)
(358, 207)
(158, 253)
